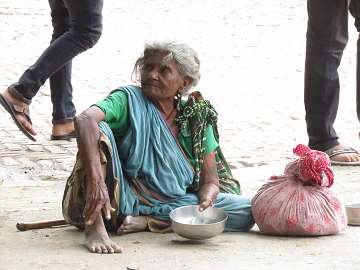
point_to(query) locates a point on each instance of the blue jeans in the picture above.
(77, 26)
(326, 38)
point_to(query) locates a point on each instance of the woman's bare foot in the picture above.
(343, 157)
(97, 239)
(133, 224)
(61, 129)
(19, 106)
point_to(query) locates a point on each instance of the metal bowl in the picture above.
(353, 213)
(189, 222)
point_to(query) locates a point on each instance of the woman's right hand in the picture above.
(88, 134)
(97, 200)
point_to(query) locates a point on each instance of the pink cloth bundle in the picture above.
(300, 202)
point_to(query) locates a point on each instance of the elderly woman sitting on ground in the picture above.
(144, 151)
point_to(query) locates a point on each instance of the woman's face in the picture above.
(161, 80)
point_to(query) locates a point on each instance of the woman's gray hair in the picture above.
(186, 58)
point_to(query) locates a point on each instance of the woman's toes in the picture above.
(109, 249)
(117, 248)
(104, 249)
(98, 249)
(121, 229)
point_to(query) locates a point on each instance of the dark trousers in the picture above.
(77, 26)
(326, 38)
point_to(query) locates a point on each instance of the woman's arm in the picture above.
(209, 182)
(88, 134)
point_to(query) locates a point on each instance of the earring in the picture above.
(177, 99)
(178, 94)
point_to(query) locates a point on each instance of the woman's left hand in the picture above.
(207, 195)
(204, 205)
(209, 182)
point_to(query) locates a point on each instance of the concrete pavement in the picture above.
(252, 55)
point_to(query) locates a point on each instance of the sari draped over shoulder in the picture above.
(151, 159)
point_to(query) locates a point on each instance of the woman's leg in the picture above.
(73, 204)
(96, 236)
(238, 209)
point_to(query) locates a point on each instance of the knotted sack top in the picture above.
(311, 167)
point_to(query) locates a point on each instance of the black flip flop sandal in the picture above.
(13, 112)
(346, 150)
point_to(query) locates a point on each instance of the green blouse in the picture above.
(115, 108)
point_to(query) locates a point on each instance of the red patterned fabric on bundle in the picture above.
(302, 201)
(314, 166)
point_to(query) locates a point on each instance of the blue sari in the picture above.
(152, 175)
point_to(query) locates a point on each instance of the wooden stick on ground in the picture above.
(41, 225)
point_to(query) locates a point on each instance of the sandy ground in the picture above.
(62, 248)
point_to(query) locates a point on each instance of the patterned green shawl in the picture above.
(195, 115)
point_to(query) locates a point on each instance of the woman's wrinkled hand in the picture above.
(209, 182)
(207, 195)
(205, 204)
(97, 201)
